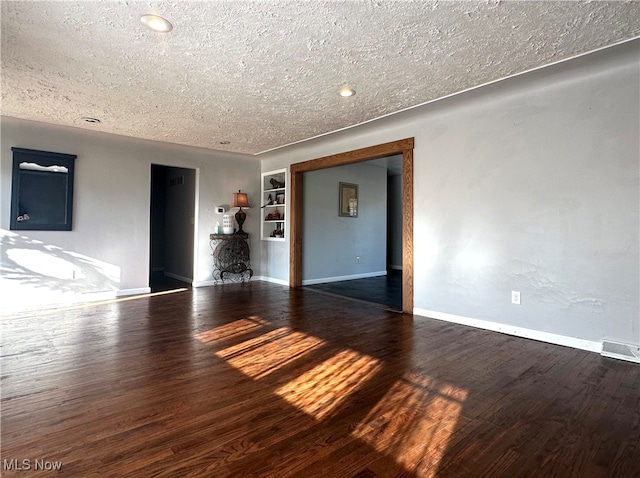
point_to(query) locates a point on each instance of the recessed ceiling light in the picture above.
(156, 23)
(346, 91)
(88, 119)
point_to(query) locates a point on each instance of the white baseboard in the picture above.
(125, 292)
(207, 283)
(513, 330)
(324, 280)
(272, 279)
(203, 283)
(395, 268)
(178, 277)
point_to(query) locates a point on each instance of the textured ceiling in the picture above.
(263, 74)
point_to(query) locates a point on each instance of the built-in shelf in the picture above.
(274, 204)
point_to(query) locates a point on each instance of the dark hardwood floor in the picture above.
(258, 380)
(383, 290)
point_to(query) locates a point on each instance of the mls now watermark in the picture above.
(28, 464)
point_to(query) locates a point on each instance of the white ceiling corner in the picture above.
(266, 74)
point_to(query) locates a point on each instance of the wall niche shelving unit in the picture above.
(274, 209)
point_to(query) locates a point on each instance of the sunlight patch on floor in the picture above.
(322, 389)
(228, 331)
(318, 391)
(269, 352)
(413, 423)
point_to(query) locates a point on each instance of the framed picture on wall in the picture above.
(348, 200)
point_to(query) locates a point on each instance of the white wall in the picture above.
(332, 243)
(112, 194)
(530, 184)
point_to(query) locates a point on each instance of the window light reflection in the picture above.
(230, 330)
(319, 391)
(44, 264)
(413, 423)
(126, 299)
(269, 352)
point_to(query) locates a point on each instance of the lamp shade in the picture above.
(240, 200)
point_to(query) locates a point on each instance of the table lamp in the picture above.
(240, 200)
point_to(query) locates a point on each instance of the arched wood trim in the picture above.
(404, 147)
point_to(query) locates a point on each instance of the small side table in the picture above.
(231, 256)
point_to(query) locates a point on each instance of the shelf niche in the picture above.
(274, 208)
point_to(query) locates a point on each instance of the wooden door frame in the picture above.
(404, 147)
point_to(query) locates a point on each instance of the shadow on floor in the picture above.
(384, 290)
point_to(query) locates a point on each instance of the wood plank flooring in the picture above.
(384, 290)
(257, 380)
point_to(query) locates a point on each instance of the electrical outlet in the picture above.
(357, 259)
(515, 297)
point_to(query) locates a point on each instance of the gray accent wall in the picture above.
(394, 222)
(179, 222)
(332, 243)
(529, 184)
(158, 220)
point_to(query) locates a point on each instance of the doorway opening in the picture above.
(355, 257)
(173, 193)
(405, 149)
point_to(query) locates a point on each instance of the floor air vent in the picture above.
(628, 352)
